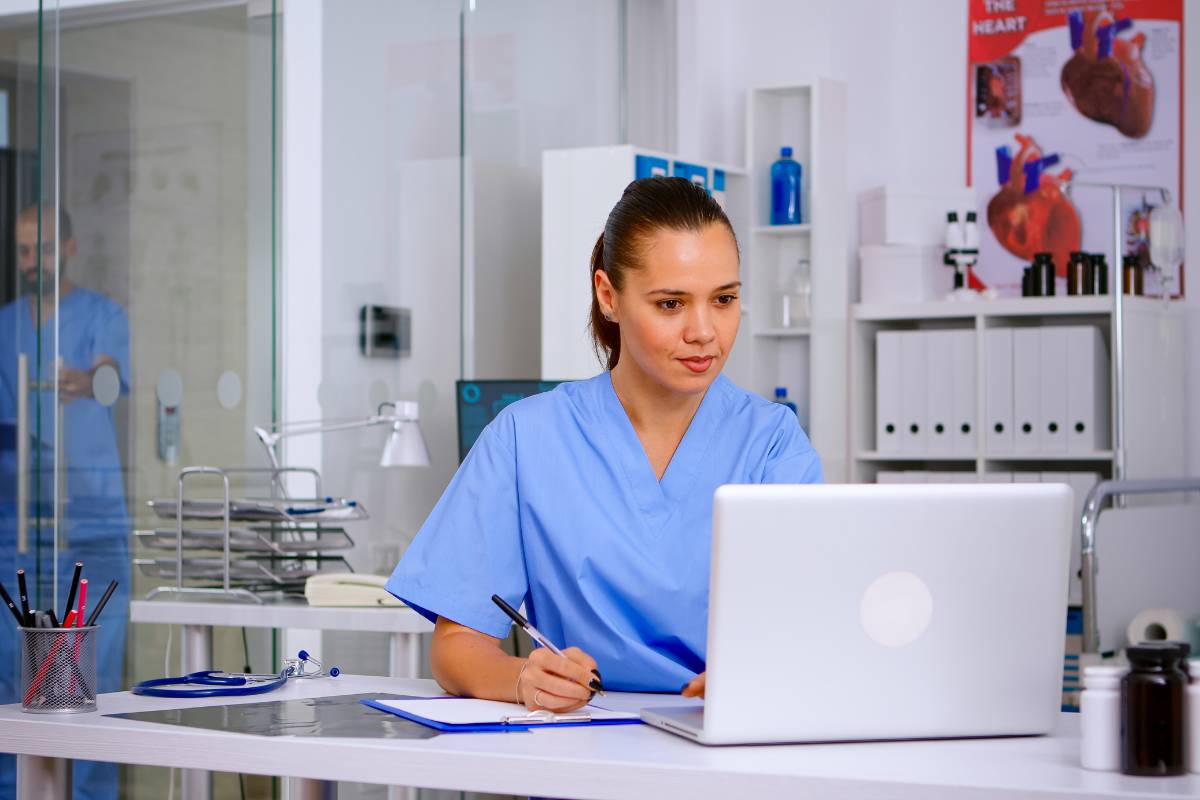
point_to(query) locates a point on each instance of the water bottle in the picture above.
(785, 189)
(782, 398)
(796, 296)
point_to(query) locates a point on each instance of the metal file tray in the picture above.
(244, 571)
(328, 509)
(251, 539)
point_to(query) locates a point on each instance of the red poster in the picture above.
(1065, 93)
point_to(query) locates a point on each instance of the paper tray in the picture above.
(283, 541)
(329, 509)
(244, 571)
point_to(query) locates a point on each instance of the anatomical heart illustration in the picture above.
(1106, 78)
(1031, 213)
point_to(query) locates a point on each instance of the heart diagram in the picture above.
(1106, 79)
(1031, 213)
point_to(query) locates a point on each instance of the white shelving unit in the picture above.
(580, 187)
(808, 359)
(1150, 404)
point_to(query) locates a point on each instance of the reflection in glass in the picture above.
(229, 390)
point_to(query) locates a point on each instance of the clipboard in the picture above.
(519, 720)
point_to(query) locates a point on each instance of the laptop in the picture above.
(869, 612)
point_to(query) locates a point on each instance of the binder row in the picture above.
(1046, 391)
(925, 392)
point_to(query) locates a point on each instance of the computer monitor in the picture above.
(480, 401)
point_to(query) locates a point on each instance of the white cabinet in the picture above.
(1045, 387)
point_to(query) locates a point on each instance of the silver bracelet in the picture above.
(519, 674)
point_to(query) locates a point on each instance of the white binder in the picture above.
(965, 430)
(1088, 426)
(901, 476)
(1052, 419)
(939, 401)
(1026, 389)
(913, 389)
(887, 391)
(998, 390)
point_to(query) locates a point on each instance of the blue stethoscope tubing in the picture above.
(216, 683)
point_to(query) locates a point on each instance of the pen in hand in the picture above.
(538, 637)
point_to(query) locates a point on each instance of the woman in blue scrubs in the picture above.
(592, 503)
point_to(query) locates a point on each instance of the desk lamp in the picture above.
(404, 447)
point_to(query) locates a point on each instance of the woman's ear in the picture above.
(606, 295)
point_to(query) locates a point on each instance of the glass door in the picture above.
(35, 241)
(138, 168)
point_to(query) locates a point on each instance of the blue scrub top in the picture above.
(89, 325)
(557, 507)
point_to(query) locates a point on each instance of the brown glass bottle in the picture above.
(1099, 274)
(1152, 698)
(1132, 271)
(1079, 274)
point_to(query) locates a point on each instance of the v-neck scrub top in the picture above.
(557, 507)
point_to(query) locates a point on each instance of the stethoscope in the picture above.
(215, 683)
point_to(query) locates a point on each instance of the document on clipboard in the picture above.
(464, 715)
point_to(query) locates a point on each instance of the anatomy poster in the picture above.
(1065, 93)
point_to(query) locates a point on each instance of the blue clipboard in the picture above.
(477, 727)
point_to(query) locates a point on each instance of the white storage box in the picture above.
(898, 215)
(901, 273)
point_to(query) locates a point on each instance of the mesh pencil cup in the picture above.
(58, 670)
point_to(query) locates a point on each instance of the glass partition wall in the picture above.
(141, 326)
(138, 209)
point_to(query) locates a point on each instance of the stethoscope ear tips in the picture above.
(302, 655)
(334, 672)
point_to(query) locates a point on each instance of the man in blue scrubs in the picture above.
(93, 367)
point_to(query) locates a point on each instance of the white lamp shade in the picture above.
(405, 447)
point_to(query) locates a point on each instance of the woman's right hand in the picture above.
(555, 683)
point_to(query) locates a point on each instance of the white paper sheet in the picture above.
(634, 702)
(467, 711)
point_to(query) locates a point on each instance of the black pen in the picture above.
(8, 601)
(74, 589)
(23, 592)
(538, 637)
(112, 585)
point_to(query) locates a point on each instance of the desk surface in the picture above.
(600, 763)
(284, 614)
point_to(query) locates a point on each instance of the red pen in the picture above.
(82, 603)
(41, 673)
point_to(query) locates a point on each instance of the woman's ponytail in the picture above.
(606, 334)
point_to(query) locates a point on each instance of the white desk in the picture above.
(601, 763)
(302, 627)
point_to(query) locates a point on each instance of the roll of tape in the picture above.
(1158, 624)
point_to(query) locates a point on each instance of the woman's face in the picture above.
(679, 311)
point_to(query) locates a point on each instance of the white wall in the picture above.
(905, 66)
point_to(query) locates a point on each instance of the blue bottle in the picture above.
(781, 397)
(785, 189)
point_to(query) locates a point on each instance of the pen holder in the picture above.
(58, 670)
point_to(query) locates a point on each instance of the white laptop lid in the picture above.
(866, 611)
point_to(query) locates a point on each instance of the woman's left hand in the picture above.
(695, 687)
